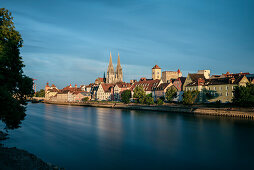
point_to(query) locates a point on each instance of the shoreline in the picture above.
(246, 113)
(14, 158)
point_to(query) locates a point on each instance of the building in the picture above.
(79, 95)
(114, 76)
(147, 84)
(161, 90)
(100, 80)
(206, 73)
(167, 76)
(250, 77)
(50, 91)
(105, 91)
(219, 89)
(119, 88)
(156, 73)
(179, 82)
(193, 77)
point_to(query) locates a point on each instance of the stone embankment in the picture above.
(177, 108)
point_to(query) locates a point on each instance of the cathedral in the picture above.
(112, 75)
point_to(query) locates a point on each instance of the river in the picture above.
(76, 137)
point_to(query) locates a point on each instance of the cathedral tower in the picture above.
(110, 72)
(119, 71)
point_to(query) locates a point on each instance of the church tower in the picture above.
(110, 72)
(119, 71)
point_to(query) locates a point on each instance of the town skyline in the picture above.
(189, 36)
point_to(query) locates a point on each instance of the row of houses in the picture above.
(220, 86)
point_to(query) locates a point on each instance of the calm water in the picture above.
(96, 138)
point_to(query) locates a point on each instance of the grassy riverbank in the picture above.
(228, 111)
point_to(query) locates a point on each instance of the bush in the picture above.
(125, 96)
(171, 93)
(244, 96)
(149, 100)
(139, 94)
(40, 93)
(190, 97)
(159, 102)
(85, 99)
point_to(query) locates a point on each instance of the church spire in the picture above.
(110, 71)
(119, 72)
(118, 61)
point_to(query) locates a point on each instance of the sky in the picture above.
(69, 41)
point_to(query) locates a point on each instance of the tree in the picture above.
(148, 100)
(244, 96)
(125, 96)
(171, 93)
(139, 94)
(159, 101)
(14, 85)
(40, 93)
(189, 97)
(85, 99)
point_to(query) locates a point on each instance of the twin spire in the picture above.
(112, 76)
(110, 66)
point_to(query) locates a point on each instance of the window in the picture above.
(233, 87)
(226, 93)
(220, 88)
(226, 87)
(214, 88)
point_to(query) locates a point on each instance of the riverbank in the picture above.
(13, 158)
(247, 113)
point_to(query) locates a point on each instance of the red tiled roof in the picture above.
(106, 87)
(53, 85)
(123, 84)
(156, 67)
(162, 86)
(148, 85)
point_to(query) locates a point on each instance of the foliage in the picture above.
(189, 97)
(206, 95)
(159, 102)
(244, 96)
(139, 94)
(14, 85)
(162, 98)
(40, 93)
(125, 96)
(171, 93)
(85, 99)
(148, 100)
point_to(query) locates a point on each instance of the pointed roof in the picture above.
(178, 71)
(118, 67)
(47, 84)
(156, 67)
(110, 66)
(53, 85)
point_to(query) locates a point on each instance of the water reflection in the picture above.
(101, 138)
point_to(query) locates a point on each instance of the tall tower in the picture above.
(156, 72)
(119, 71)
(110, 72)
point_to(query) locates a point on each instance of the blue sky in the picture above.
(69, 41)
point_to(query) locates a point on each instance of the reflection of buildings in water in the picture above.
(109, 127)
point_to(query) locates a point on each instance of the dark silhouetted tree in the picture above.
(14, 85)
